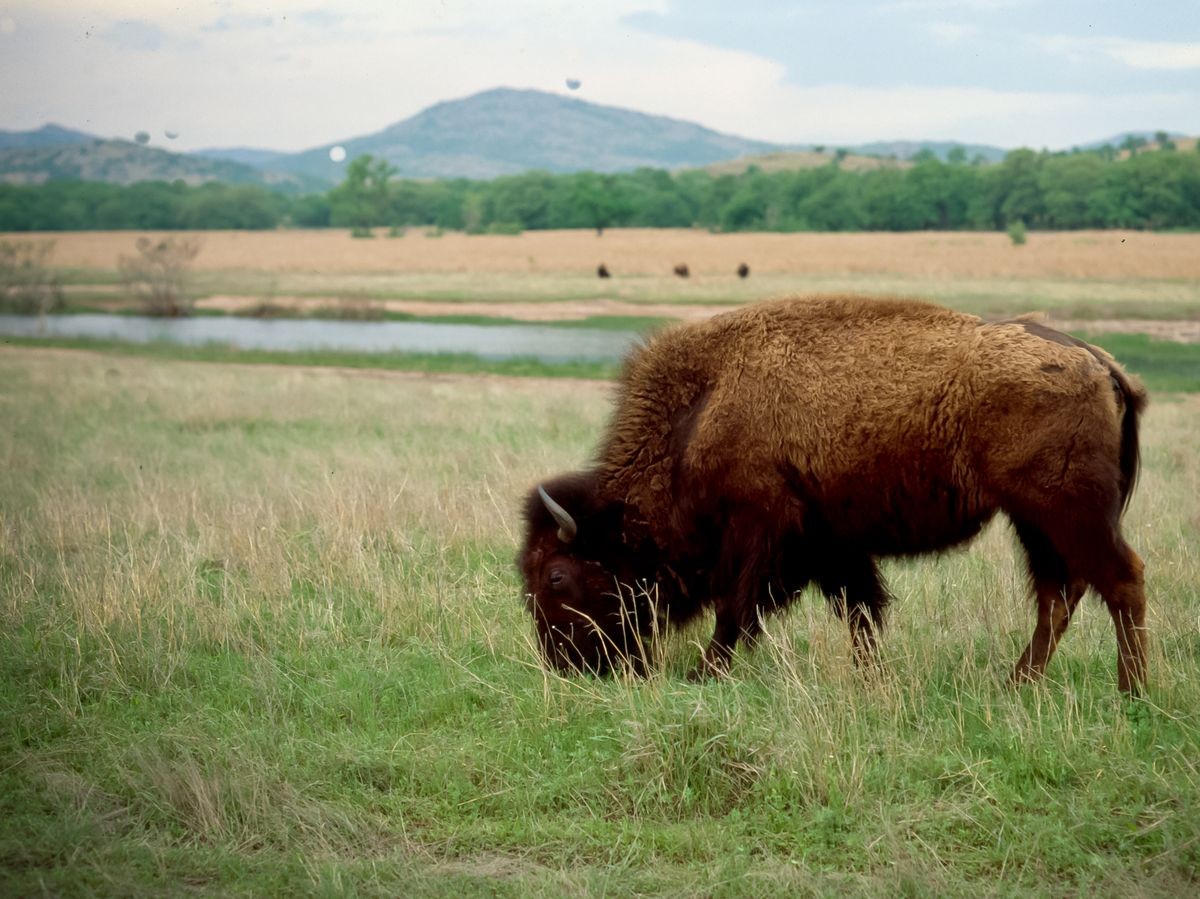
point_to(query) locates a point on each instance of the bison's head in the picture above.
(591, 604)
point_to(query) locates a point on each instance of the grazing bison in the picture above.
(602, 271)
(743, 270)
(798, 441)
(682, 270)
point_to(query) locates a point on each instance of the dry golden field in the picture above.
(1083, 254)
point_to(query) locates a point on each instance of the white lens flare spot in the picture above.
(338, 153)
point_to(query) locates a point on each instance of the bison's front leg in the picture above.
(736, 587)
(856, 591)
(715, 661)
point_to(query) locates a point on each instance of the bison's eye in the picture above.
(558, 577)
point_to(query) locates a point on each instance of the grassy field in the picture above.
(536, 275)
(260, 633)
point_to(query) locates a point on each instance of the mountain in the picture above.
(46, 136)
(907, 149)
(122, 162)
(505, 131)
(259, 159)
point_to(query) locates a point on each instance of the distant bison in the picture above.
(682, 270)
(743, 270)
(602, 271)
(797, 442)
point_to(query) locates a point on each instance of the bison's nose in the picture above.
(568, 655)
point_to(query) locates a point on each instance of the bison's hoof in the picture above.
(706, 670)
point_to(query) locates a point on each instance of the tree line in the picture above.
(1150, 190)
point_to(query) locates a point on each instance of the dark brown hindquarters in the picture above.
(1077, 541)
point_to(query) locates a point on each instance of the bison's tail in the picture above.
(1133, 399)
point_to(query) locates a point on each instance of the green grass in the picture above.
(1162, 365)
(260, 634)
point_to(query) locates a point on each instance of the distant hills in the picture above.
(505, 132)
(46, 136)
(125, 162)
(496, 132)
(244, 155)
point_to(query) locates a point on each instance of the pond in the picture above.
(543, 342)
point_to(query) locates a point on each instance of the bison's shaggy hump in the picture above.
(798, 440)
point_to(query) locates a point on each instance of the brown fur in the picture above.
(797, 441)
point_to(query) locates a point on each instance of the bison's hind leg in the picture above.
(857, 593)
(1057, 594)
(1089, 547)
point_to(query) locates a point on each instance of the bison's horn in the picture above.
(567, 529)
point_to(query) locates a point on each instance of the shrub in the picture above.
(27, 285)
(1016, 233)
(156, 275)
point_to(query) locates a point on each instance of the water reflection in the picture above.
(549, 344)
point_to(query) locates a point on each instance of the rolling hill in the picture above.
(124, 162)
(49, 135)
(497, 132)
(505, 131)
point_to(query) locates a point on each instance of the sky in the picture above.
(293, 74)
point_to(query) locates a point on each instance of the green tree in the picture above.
(1021, 190)
(1066, 184)
(362, 199)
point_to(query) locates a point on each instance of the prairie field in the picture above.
(260, 633)
(1073, 254)
(552, 274)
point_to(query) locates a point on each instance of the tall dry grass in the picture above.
(1090, 255)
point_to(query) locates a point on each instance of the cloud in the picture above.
(240, 23)
(951, 33)
(951, 5)
(323, 76)
(1156, 55)
(135, 34)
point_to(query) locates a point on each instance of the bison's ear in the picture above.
(567, 528)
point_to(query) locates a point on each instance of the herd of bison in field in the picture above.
(681, 270)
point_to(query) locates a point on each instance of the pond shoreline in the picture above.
(490, 342)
